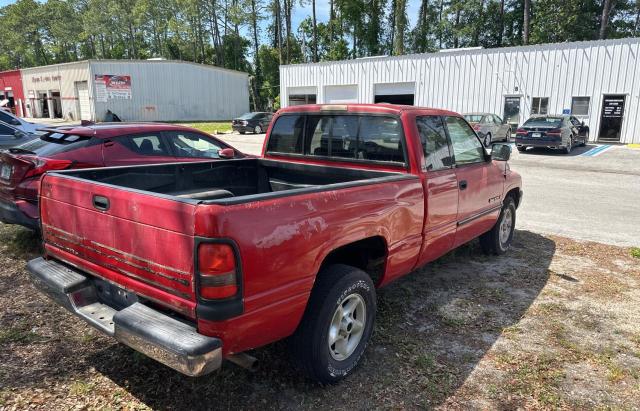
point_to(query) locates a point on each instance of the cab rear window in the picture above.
(340, 137)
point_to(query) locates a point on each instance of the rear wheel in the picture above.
(337, 324)
(242, 132)
(569, 145)
(522, 149)
(487, 140)
(257, 130)
(498, 240)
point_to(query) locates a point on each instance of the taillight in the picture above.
(521, 131)
(477, 127)
(217, 269)
(554, 132)
(42, 165)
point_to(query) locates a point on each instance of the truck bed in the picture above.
(139, 227)
(232, 182)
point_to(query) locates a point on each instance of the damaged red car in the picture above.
(99, 145)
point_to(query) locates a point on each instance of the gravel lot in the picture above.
(552, 324)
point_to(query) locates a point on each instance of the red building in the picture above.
(11, 89)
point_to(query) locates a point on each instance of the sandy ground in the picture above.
(551, 324)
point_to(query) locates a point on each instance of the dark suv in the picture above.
(256, 122)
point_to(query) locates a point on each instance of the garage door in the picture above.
(82, 91)
(395, 93)
(341, 94)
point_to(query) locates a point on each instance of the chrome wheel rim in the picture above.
(347, 327)
(506, 225)
(257, 130)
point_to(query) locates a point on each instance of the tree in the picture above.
(526, 24)
(607, 6)
(399, 26)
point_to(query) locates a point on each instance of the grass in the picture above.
(14, 335)
(635, 252)
(211, 127)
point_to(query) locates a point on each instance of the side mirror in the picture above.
(227, 153)
(501, 152)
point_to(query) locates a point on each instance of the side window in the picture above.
(434, 143)
(467, 149)
(145, 145)
(8, 119)
(380, 139)
(286, 135)
(497, 120)
(193, 145)
(8, 131)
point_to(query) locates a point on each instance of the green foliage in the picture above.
(635, 252)
(257, 36)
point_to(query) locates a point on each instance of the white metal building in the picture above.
(597, 81)
(135, 90)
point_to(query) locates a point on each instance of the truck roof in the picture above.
(377, 108)
(106, 130)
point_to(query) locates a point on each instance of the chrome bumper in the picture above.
(163, 338)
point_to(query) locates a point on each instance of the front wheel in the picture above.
(498, 240)
(337, 324)
(257, 130)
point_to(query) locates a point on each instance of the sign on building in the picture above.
(112, 87)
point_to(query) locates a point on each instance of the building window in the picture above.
(540, 105)
(580, 106)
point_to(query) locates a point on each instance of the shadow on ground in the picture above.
(576, 151)
(433, 327)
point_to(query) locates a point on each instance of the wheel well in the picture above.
(515, 194)
(369, 255)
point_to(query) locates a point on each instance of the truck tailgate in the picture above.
(142, 242)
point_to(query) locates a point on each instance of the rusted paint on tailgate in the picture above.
(140, 237)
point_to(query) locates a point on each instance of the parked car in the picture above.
(20, 123)
(558, 132)
(193, 263)
(490, 127)
(11, 136)
(256, 122)
(94, 146)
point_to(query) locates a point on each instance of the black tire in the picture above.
(522, 149)
(242, 132)
(585, 139)
(310, 343)
(491, 241)
(487, 140)
(567, 149)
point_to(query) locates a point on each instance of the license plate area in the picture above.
(536, 135)
(113, 295)
(5, 171)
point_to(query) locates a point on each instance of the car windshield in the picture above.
(543, 122)
(473, 118)
(248, 116)
(55, 143)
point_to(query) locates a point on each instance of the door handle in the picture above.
(463, 184)
(101, 203)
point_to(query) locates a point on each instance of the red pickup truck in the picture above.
(193, 263)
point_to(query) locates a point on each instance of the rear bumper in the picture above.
(547, 143)
(157, 335)
(11, 214)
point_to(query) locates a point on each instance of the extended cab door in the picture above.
(440, 187)
(480, 182)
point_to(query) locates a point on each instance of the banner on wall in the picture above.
(112, 87)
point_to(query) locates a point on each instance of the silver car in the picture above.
(489, 127)
(20, 123)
